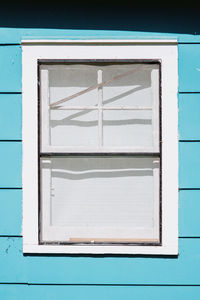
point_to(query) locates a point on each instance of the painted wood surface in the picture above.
(10, 117)
(10, 162)
(43, 292)
(12, 261)
(189, 208)
(189, 165)
(13, 35)
(10, 66)
(189, 108)
(86, 270)
(50, 269)
(189, 68)
(10, 212)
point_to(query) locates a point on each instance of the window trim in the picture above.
(164, 50)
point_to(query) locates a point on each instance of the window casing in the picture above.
(110, 150)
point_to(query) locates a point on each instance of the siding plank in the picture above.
(15, 35)
(189, 108)
(10, 117)
(189, 208)
(32, 292)
(12, 261)
(189, 67)
(119, 270)
(15, 292)
(10, 66)
(10, 212)
(10, 162)
(189, 164)
(55, 269)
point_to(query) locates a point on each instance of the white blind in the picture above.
(100, 198)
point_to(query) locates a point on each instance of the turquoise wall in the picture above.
(98, 277)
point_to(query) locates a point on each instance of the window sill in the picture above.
(135, 250)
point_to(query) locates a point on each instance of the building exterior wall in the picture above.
(97, 277)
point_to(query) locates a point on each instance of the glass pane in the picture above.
(101, 198)
(72, 102)
(74, 128)
(69, 79)
(132, 86)
(132, 128)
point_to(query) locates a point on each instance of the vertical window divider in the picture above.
(100, 108)
(155, 108)
(45, 108)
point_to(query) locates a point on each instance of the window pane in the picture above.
(69, 79)
(74, 128)
(100, 198)
(133, 86)
(74, 95)
(122, 128)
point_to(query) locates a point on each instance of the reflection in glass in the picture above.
(134, 89)
(74, 128)
(127, 128)
(66, 80)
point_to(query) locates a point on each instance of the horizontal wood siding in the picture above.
(189, 210)
(55, 292)
(15, 35)
(11, 164)
(97, 277)
(10, 117)
(189, 68)
(50, 269)
(12, 261)
(189, 165)
(10, 212)
(189, 121)
(10, 66)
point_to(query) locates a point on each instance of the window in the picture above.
(100, 147)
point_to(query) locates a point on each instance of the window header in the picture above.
(101, 41)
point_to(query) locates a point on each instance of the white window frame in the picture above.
(163, 50)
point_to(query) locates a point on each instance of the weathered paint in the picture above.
(12, 260)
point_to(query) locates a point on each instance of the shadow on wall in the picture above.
(101, 15)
